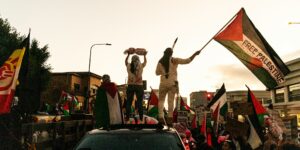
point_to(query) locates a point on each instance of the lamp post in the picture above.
(294, 22)
(89, 74)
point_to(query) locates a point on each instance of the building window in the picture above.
(76, 87)
(267, 101)
(294, 92)
(279, 95)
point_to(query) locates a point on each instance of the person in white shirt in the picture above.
(167, 70)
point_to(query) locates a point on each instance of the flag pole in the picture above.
(174, 43)
(220, 30)
(149, 99)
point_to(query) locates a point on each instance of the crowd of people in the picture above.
(193, 138)
(226, 141)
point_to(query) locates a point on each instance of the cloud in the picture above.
(291, 56)
(236, 76)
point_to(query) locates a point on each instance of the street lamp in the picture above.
(91, 52)
(294, 22)
(89, 74)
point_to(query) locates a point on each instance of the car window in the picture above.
(131, 141)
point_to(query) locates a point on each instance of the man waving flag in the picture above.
(243, 39)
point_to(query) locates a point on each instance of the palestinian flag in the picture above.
(253, 139)
(219, 106)
(258, 108)
(206, 123)
(257, 118)
(153, 105)
(219, 102)
(243, 39)
(107, 107)
(183, 105)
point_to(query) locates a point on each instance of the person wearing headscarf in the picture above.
(107, 107)
(135, 84)
(167, 70)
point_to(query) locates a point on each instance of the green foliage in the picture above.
(8, 40)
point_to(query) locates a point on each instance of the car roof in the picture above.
(133, 127)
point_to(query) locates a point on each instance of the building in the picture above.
(242, 95)
(286, 96)
(75, 83)
(202, 98)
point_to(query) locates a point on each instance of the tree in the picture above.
(34, 76)
(8, 41)
(37, 79)
(33, 79)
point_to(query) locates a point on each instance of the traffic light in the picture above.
(208, 96)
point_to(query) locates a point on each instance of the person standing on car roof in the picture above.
(108, 104)
(135, 81)
(167, 70)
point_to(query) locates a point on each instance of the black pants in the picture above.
(138, 90)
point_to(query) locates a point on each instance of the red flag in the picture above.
(194, 122)
(216, 115)
(152, 108)
(153, 100)
(257, 118)
(9, 73)
(183, 105)
(203, 126)
(259, 109)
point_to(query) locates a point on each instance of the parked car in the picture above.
(132, 137)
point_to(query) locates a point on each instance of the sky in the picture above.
(71, 27)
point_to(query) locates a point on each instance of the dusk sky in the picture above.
(70, 27)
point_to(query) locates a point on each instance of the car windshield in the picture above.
(131, 141)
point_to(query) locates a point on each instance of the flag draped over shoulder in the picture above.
(243, 39)
(9, 73)
(107, 107)
(153, 105)
(256, 119)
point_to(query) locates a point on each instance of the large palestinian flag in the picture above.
(243, 39)
(107, 107)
